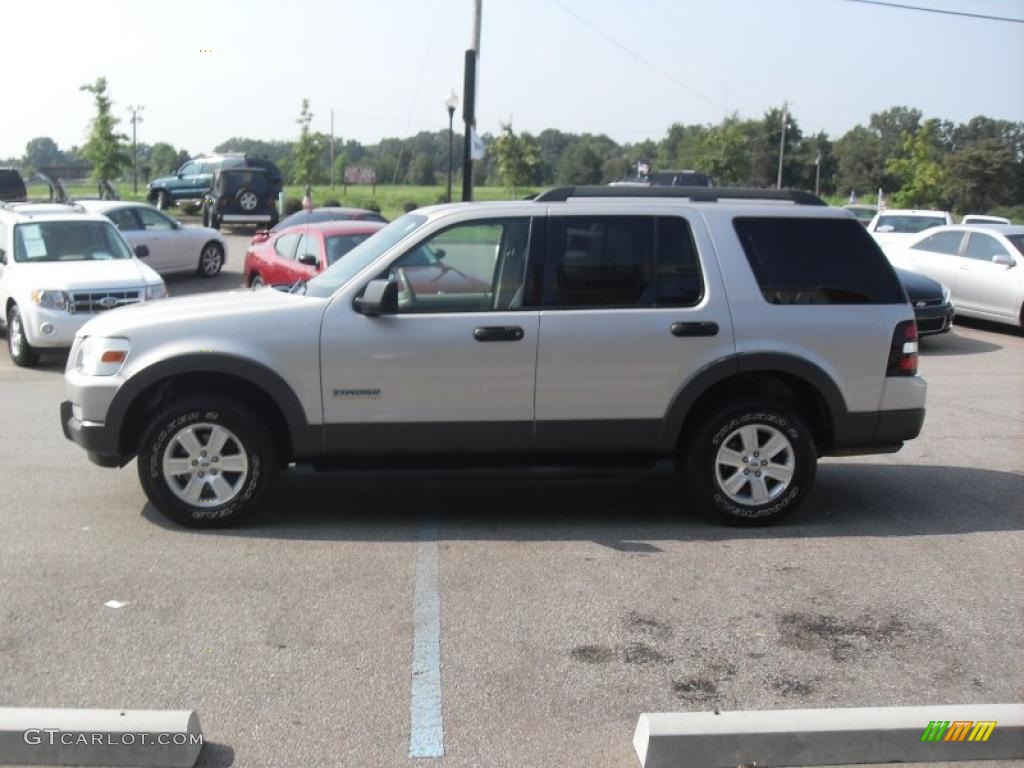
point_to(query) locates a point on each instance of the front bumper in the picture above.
(98, 441)
(935, 319)
(51, 328)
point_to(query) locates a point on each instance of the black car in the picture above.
(241, 196)
(930, 300)
(12, 186)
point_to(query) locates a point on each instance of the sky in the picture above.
(207, 71)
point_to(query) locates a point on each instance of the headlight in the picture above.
(158, 291)
(99, 356)
(945, 295)
(50, 299)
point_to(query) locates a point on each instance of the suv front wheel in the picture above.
(751, 463)
(22, 353)
(206, 462)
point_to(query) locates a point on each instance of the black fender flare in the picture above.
(305, 438)
(720, 370)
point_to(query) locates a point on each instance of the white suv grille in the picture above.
(90, 302)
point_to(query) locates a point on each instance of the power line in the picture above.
(646, 62)
(903, 7)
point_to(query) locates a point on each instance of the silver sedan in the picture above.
(169, 246)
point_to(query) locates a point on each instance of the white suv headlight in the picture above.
(50, 299)
(158, 291)
(100, 356)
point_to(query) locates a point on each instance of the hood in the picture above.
(214, 307)
(87, 275)
(890, 238)
(919, 287)
(161, 181)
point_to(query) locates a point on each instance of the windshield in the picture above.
(364, 254)
(908, 224)
(339, 245)
(68, 241)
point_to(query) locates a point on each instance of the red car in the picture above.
(316, 216)
(300, 252)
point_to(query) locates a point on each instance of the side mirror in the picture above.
(309, 260)
(141, 251)
(1003, 258)
(379, 298)
(440, 253)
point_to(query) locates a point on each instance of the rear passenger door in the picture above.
(983, 284)
(633, 306)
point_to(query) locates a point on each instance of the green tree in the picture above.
(517, 157)
(982, 175)
(105, 149)
(919, 170)
(306, 167)
(422, 170)
(164, 159)
(42, 152)
(580, 164)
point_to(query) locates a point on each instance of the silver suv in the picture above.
(743, 333)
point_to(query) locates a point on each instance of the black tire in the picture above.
(206, 216)
(211, 260)
(248, 439)
(256, 280)
(22, 353)
(214, 220)
(708, 475)
(163, 200)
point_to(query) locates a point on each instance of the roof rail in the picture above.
(694, 194)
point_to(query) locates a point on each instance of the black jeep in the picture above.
(241, 196)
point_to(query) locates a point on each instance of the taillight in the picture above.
(903, 352)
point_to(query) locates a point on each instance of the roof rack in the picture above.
(694, 194)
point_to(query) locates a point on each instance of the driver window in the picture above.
(152, 220)
(124, 219)
(189, 169)
(472, 267)
(983, 247)
(308, 246)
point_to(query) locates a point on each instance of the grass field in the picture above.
(391, 199)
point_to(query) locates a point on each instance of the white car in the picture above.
(59, 267)
(982, 265)
(172, 247)
(893, 225)
(977, 218)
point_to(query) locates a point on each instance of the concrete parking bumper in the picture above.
(108, 737)
(831, 736)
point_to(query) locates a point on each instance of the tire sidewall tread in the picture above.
(215, 410)
(700, 462)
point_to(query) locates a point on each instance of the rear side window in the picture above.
(817, 261)
(941, 242)
(622, 261)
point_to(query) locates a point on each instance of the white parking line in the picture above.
(426, 735)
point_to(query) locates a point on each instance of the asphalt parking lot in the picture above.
(569, 604)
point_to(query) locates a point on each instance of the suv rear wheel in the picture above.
(163, 200)
(751, 463)
(206, 462)
(22, 353)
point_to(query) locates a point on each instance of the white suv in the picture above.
(893, 226)
(743, 337)
(59, 266)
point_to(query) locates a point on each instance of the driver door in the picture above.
(453, 371)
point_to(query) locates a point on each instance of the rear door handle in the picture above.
(695, 329)
(498, 333)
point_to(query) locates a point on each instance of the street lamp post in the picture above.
(135, 154)
(451, 102)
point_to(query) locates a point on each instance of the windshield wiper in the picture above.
(297, 285)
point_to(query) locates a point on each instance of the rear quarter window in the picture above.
(817, 261)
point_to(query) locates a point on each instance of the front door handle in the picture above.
(498, 333)
(695, 329)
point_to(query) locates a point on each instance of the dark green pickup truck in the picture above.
(193, 179)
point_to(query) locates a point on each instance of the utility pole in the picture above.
(332, 148)
(817, 173)
(469, 103)
(782, 146)
(135, 154)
